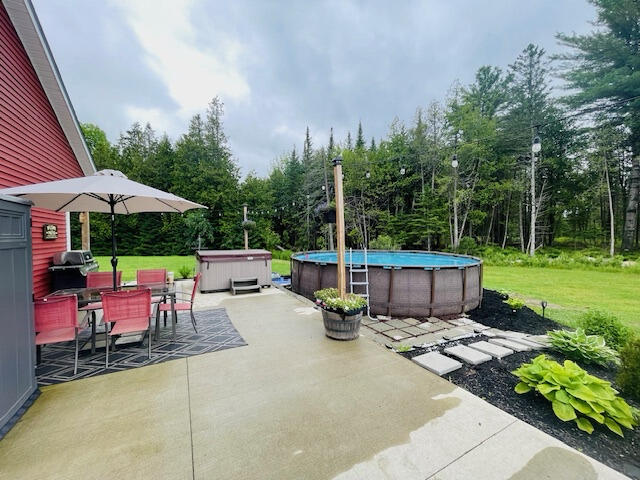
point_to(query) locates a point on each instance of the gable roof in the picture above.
(25, 21)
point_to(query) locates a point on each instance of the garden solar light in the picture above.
(544, 304)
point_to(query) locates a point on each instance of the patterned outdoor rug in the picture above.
(215, 332)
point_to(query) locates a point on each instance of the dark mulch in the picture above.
(495, 313)
(494, 382)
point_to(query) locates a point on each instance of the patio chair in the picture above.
(56, 320)
(182, 304)
(151, 276)
(126, 312)
(98, 280)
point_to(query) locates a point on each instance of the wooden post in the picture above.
(83, 217)
(246, 234)
(337, 179)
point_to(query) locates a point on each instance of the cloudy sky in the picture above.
(280, 66)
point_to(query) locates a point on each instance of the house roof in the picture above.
(25, 21)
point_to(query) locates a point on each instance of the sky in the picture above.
(283, 66)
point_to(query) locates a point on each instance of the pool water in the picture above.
(386, 258)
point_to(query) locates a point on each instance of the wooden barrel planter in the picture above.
(341, 326)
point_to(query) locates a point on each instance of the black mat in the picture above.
(215, 332)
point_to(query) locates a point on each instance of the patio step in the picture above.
(244, 285)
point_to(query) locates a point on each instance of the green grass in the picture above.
(281, 266)
(129, 264)
(571, 292)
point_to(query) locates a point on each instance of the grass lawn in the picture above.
(570, 292)
(129, 265)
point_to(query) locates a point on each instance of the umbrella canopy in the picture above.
(106, 191)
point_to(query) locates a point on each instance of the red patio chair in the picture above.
(98, 280)
(125, 312)
(182, 304)
(151, 276)
(56, 320)
(103, 279)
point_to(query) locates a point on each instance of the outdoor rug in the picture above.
(215, 332)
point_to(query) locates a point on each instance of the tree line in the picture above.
(459, 172)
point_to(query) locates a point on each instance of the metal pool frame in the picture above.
(399, 291)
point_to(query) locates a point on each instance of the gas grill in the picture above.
(70, 269)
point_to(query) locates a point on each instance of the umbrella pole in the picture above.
(114, 259)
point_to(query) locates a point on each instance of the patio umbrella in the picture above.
(106, 191)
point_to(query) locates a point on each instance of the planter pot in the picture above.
(340, 326)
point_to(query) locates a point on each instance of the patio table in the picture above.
(87, 296)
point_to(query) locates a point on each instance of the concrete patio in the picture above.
(292, 404)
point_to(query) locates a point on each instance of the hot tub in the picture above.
(401, 283)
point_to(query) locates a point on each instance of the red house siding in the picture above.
(33, 147)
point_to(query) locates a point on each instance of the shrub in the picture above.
(185, 271)
(467, 245)
(576, 395)
(629, 372)
(384, 242)
(577, 345)
(514, 303)
(605, 325)
(329, 299)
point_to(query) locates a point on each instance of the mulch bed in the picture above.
(494, 382)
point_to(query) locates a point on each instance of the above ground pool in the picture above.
(401, 283)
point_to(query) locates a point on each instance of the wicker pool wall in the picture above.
(407, 291)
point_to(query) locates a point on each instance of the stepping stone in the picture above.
(428, 340)
(503, 342)
(496, 332)
(528, 343)
(461, 321)
(367, 320)
(541, 339)
(397, 334)
(469, 355)
(478, 327)
(411, 321)
(380, 327)
(454, 333)
(414, 330)
(433, 319)
(514, 335)
(429, 327)
(489, 333)
(397, 323)
(489, 348)
(437, 363)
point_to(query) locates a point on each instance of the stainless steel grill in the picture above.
(70, 268)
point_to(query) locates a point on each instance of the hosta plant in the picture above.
(576, 395)
(514, 303)
(577, 345)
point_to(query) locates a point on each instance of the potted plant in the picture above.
(341, 316)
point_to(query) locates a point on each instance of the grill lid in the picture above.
(73, 257)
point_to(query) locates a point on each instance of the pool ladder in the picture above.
(359, 269)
